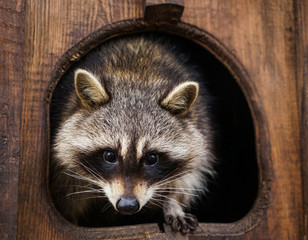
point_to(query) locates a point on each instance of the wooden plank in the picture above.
(11, 51)
(302, 51)
(261, 35)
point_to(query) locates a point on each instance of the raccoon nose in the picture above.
(128, 205)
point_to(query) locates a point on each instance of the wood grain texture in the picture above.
(302, 50)
(263, 43)
(11, 61)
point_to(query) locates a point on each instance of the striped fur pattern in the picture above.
(133, 133)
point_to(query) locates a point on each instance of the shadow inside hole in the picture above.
(232, 193)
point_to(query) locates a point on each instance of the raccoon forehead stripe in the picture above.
(124, 142)
(141, 143)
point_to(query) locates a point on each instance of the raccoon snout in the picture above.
(128, 205)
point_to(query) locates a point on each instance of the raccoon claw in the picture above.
(184, 224)
(191, 221)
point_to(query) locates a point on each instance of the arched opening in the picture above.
(233, 191)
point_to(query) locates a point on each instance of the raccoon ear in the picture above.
(181, 98)
(89, 90)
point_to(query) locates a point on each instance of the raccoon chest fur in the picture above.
(133, 133)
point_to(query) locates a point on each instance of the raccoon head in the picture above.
(132, 146)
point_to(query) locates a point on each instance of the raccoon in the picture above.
(133, 132)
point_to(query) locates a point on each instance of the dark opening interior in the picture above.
(234, 190)
(232, 194)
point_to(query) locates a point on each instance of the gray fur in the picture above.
(138, 74)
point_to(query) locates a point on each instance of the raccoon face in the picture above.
(131, 148)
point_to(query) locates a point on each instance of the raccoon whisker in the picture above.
(85, 198)
(183, 189)
(153, 205)
(171, 199)
(77, 176)
(163, 201)
(184, 193)
(89, 189)
(144, 210)
(168, 180)
(172, 179)
(159, 201)
(81, 186)
(80, 177)
(156, 203)
(93, 172)
(176, 175)
(81, 192)
(170, 176)
(108, 205)
(84, 177)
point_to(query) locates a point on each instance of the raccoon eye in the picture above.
(151, 159)
(109, 156)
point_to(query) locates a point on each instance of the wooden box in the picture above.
(264, 46)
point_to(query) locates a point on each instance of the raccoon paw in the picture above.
(184, 224)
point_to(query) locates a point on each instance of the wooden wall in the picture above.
(12, 17)
(267, 39)
(302, 74)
